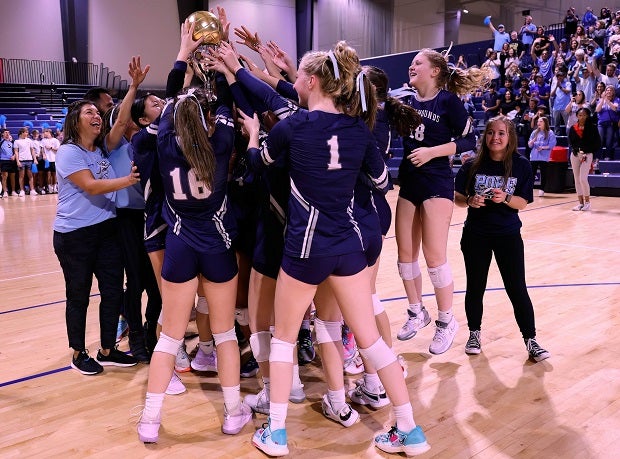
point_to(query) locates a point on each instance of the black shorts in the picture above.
(8, 166)
(418, 187)
(313, 271)
(52, 167)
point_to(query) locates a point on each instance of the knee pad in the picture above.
(242, 316)
(409, 271)
(327, 332)
(229, 335)
(377, 306)
(260, 343)
(202, 306)
(379, 354)
(281, 351)
(167, 344)
(160, 319)
(441, 276)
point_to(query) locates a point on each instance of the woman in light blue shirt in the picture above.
(542, 141)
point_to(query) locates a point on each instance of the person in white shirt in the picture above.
(50, 147)
(25, 156)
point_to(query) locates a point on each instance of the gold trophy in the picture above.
(208, 29)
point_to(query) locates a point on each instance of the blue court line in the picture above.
(58, 370)
(40, 305)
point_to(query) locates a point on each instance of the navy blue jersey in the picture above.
(325, 153)
(144, 144)
(196, 214)
(382, 132)
(494, 218)
(444, 119)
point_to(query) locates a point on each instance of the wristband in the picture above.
(467, 200)
(507, 198)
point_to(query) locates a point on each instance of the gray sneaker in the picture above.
(444, 336)
(472, 346)
(536, 352)
(414, 323)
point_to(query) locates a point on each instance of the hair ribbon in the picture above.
(332, 56)
(359, 82)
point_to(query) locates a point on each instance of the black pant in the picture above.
(138, 269)
(82, 253)
(543, 172)
(508, 250)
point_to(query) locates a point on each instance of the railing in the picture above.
(26, 71)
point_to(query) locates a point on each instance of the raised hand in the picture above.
(250, 40)
(221, 15)
(188, 44)
(135, 71)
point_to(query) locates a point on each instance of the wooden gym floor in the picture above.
(495, 405)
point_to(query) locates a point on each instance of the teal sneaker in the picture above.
(395, 441)
(270, 443)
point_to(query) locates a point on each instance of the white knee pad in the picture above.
(160, 319)
(327, 332)
(167, 344)
(260, 342)
(229, 335)
(377, 306)
(202, 306)
(441, 276)
(242, 316)
(281, 351)
(409, 271)
(379, 354)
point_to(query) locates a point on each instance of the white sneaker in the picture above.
(148, 431)
(182, 362)
(5, 195)
(347, 416)
(541, 193)
(33, 193)
(354, 365)
(586, 206)
(415, 322)
(578, 207)
(233, 423)
(204, 362)
(376, 398)
(21, 194)
(259, 403)
(444, 336)
(297, 394)
(175, 386)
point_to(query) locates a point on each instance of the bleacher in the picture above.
(607, 182)
(39, 104)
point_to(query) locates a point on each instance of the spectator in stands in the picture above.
(605, 16)
(490, 102)
(461, 62)
(514, 74)
(607, 122)
(8, 167)
(581, 36)
(585, 81)
(508, 86)
(102, 99)
(85, 236)
(25, 156)
(502, 56)
(522, 94)
(499, 35)
(576, 102)
(527, 33)
(542, 90)
(561, 93)
(600, 34)
(493, 64)
(609, 78)
(50, 145)
(570, 22)
(584, 140)
(526, 123)
(516, 45)
(565, 53)
(494, 187)
(599, 92)
(542, 44)
(546, 61)
(509, 106)
(589, 18)
(542, 140)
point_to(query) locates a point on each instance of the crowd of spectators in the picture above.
(535, 74)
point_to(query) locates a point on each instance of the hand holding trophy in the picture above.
(208, 29)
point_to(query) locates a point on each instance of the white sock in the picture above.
(152, 406)
(206, 346)
(404, 417)
(296, 381)
(336, 399)
(445, 316)
(372, 381)
(277, 415)
(232, 398)
(416, 308)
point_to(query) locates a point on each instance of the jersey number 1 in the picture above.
(334, 157)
